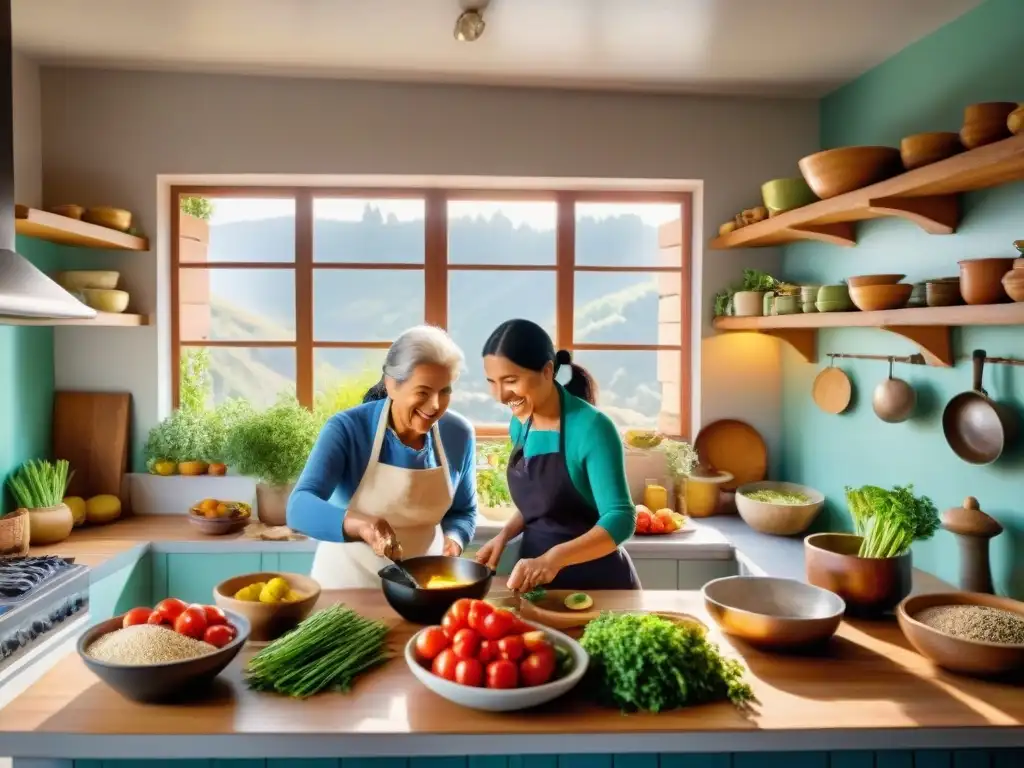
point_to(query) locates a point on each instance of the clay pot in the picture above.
(50, 525)
(272, 503)
(986, 123)
(981, 280)
(748, 304)
(870, 586)
(1013, 284)
(192, 468)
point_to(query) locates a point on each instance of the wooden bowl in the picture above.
(70, 211)
(926, 148)
(268, 621)
(837, 171)
(1013, 284)
(869, 586)
(981, 280)
(944, 292)
(778, 519)
(782, 195)
(112, 218)
(969, 657)
(217, 526)
(986, 123)
(1015, 122)
(874, 298)
(861, 280)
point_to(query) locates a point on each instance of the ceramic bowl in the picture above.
(926, 148)
(1015, 122)
(787, 305)
(103, 300)
(112, 218)
(875, 298)
(969, 657)
(986, 123)
(773, 613)
(943, 292)
(511, 700)
(428, 606)
(1013, 284)
(837, 171)
(268, 621)
(810, 306)
(834, 306)
(774, 518)
(782, 195)
(862, 280)
(160, 682)
(833, 293)
(868, 586)
(75, 280)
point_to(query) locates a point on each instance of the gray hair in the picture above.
(420, 345)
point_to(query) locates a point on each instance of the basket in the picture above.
(14, 534)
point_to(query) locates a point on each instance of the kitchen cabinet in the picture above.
(192, 577)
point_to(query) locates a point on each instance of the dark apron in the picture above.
(555, 512)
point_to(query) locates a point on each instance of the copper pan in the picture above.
(977, 428)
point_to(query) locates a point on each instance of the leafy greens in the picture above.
(890, 520)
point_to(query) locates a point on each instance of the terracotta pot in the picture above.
(870, 586)
(217, 469)
(193, 468)
(748, 303)
(981, 280)
(50, 525)
(272, 503)
(1013, 284)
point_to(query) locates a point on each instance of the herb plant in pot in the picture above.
(220, 423)
(872, 568)
(272, 446)
(179, 443)
(39, 486)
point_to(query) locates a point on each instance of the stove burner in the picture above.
(20, 576)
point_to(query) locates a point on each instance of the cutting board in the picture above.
(90, 430)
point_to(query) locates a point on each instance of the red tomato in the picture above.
(451, 625)
(158, 618)
(214, 615)
(478, 613)
(137, 616)
(219, 635)
(657, 526)
(537, 668)
(460, 610)
(171, 608)
(498, 624)
(430, 642)
(502, 674)
(520, 627)
(512, 647)
(488, 651)
(191, 623)
(445, 663)
(469, 672)
(466, 643)
(536, 639)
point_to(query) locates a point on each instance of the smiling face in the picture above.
(519, 388)
(419, 401)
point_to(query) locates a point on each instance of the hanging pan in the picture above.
(977, 428)
(893, 400)
(832, 389)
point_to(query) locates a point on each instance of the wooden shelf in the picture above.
(927, 196)
(32, 222)
(928, 327)
(102, 319)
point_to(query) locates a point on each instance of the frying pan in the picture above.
(977, 428)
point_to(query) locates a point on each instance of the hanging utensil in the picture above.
(977, 428)
(832, 389)
(893, 399)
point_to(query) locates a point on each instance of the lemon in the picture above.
(77, 506)
(105, 508)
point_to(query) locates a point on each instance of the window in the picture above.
(301, 291)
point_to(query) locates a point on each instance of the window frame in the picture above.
(435, 267)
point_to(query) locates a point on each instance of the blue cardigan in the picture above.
(342, 453)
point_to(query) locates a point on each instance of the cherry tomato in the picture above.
(218, 635)
(466, 643)
(498, 624)
(460, 610)
(191, 623)
(512, 647)
(444, 664)
(137, 616)
(171, 608)
(502, 674)
(430, 642)
(451, 625)
(214, 615)
(520, 627)
(469, 672)
(537, 668)
(534, 640)
(488, 652)
(159, 619)
(478, 613)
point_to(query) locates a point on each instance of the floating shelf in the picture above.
(43, 225)
(928, 327)
(926, 196)
(102, 319)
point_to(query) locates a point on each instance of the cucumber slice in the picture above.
(578, 601)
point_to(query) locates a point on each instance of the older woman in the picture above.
(394, 476)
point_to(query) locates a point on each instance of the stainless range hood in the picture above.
(25, 292)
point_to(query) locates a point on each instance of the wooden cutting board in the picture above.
(90, 430)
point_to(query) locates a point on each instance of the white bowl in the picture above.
(778, 519)
(506, 700)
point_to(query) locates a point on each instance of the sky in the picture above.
(538, 215)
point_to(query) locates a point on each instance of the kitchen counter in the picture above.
(868, 691)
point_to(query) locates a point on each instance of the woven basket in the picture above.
(14, 534)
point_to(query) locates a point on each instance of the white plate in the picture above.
(510, 700)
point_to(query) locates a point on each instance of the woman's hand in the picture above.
(382, 539)
(452, 548)
(532, 573)
(490, 553)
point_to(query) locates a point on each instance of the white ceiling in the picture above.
(769, 47)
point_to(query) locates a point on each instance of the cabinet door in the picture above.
(694, 574)
(192, 577)
(656, 574)
(295, 562)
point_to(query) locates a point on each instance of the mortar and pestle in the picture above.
(973, 530)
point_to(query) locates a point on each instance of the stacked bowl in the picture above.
(809, 295)
(874, 293)
(833, 298)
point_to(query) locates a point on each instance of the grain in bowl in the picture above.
(145, 645)
(975, 622)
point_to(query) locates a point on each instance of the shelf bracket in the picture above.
(934, 341)
(936, 215)
(840, 233)
(803, 340)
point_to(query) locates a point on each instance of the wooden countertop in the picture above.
(869, 681)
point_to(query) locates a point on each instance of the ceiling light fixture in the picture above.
(470, 24)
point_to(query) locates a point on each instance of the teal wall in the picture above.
(923, 88)
(26, 380)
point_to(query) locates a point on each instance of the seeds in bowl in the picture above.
(769, 496)
(975, 622)
(145, 644)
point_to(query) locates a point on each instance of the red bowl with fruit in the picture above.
(489, 659)
(660, 523)
(160, 654)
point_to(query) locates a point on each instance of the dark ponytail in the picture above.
(378, 391)
(529, 346)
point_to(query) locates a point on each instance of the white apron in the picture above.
(413, 501)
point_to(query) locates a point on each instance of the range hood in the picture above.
(25, 292)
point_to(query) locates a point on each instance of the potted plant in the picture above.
(680, 459)
(871, 569)
(39, 487)
(220, 422)
(272, 446)
(179, 443)
(493, 497)
(748, 301)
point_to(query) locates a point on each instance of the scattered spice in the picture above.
(975, 622)
(145, 644)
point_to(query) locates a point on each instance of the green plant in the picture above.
(182, 436)
(38, 484)
(890, 521)
(342, 394)
(273, 445)
(195, 390)
(491, 485)
(199, 207)
(680, 457)
(221, 421)
(756, 280)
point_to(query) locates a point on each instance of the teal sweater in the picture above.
(596, 461)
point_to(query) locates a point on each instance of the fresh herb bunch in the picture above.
(182, 436)
(273, 445)
(39, 484)
(890, 520)
(641, 662)
(756, 280)
(491, 485)
(220, 422)
(680, 456)
(535, 595)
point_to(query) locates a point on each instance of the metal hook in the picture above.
(891, 360)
